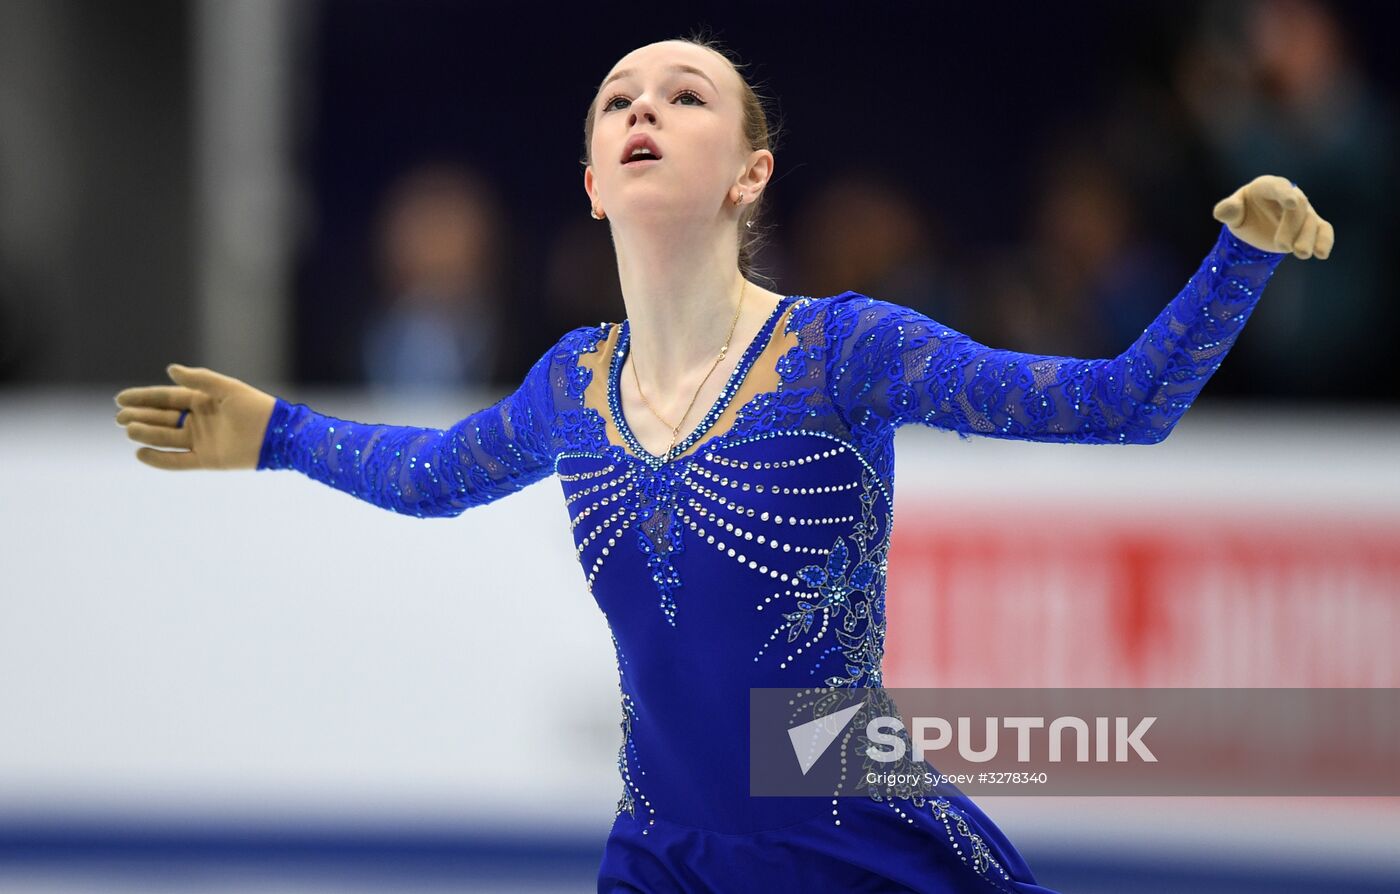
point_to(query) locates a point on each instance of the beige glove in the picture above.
(224, 428)
(1272, 214)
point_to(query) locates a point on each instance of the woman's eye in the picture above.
(690, 93)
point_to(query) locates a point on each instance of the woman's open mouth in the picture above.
(640, 149)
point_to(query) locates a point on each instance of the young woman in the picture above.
(726, 455)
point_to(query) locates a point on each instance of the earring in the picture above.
(596, 215)
(740, 200)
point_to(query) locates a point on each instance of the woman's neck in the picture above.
(681, 291)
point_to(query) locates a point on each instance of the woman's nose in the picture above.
(642, 108)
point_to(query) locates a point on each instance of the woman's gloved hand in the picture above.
(1272, 214)
(223, 429)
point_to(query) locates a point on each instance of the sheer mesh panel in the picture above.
(428, 472)
(890, 365)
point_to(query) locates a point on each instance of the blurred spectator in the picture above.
(1088, 281)
(580, 278)
(1276, 89)
(438, 243)
(861, 232)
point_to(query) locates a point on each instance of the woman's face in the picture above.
(686, 99)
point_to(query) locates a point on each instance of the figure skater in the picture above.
(726, 457)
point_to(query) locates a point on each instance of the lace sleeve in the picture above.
(889, 365)
(424, 472)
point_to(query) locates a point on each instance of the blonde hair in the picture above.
(757, 135)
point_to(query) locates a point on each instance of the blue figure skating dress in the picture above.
(755, 556)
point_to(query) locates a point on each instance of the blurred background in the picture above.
(249, 682)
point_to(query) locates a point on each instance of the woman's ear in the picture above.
(756, 173)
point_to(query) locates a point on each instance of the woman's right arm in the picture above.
(424, 472)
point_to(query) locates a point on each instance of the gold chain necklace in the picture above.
(676, 429)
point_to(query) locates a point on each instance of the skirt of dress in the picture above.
(947, 846)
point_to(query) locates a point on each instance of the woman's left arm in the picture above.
(889, 365)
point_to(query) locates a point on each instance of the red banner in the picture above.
(1026, 599)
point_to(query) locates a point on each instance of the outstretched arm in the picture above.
(889, 365)
(214, 421)
(424, 472)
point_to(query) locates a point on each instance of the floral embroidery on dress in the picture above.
(857, 599)
(627, 753)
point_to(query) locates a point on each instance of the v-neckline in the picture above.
(731, 387)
